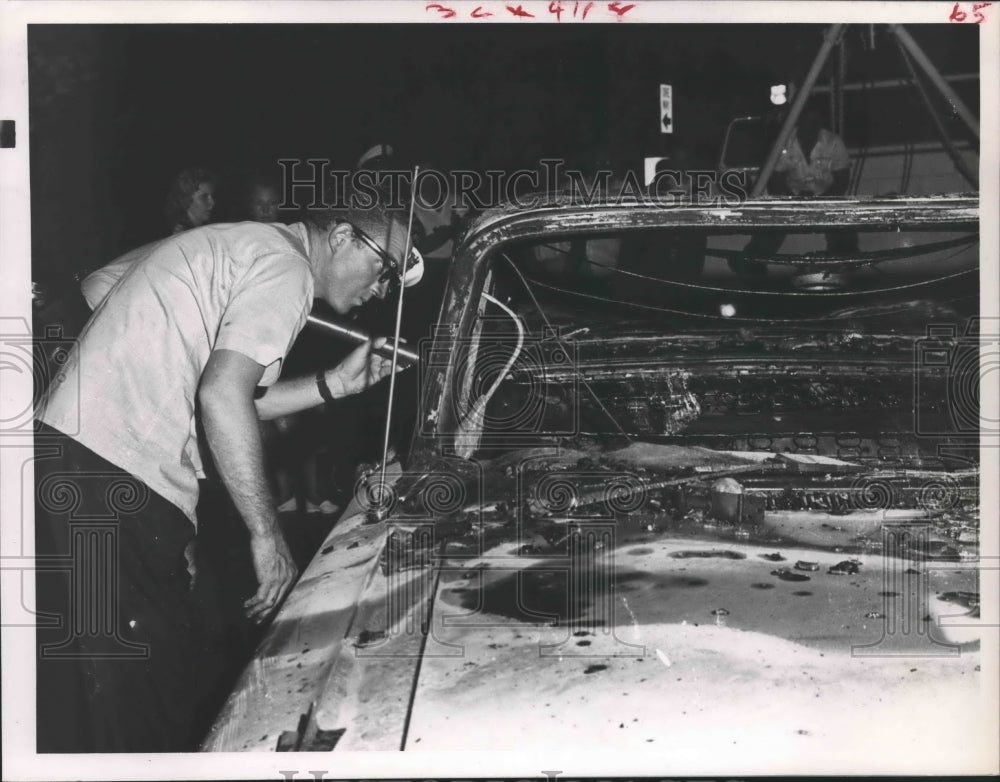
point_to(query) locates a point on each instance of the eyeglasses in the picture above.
(390, 266)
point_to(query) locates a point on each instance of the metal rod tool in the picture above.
(405, 356)
(383, 508)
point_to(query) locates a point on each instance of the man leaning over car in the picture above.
(201, 324)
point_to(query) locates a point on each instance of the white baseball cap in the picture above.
(414, 268)
(376, 151)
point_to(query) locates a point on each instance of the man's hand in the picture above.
(361, 369)
(233, 434)
(275, 571)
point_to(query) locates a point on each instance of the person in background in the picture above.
(190, 199)
(263, 197)
(813, 163)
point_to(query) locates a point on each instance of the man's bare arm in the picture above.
(355, 373)
(287, 397)
(230, 422)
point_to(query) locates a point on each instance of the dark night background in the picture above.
(116, 110)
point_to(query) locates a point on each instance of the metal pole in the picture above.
(841, 78)
(833, 101)
(829, 39)
(956, 156)
(382, 493)
(819, 89)
(935, 76)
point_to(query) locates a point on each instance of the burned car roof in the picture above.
(555, 214)
(633, 519)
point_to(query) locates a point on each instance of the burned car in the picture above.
(652, 504)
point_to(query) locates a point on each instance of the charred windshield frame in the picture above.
(497, 231)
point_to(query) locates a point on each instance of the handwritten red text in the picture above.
(972, 12)
(575, 11)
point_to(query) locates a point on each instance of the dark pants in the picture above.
(114, 635)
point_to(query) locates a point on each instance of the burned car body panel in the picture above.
(726, 608)
(729, 534)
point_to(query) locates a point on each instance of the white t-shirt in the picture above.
(129, 387)
(98, 284)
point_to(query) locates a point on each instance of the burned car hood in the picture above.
(634, 595)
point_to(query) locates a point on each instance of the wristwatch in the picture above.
(324, 389)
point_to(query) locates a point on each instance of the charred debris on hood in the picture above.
(690, 492)
(760, 404)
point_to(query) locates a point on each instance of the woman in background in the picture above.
(190, 200)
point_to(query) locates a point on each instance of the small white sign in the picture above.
(649, 165)
(666, 108)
